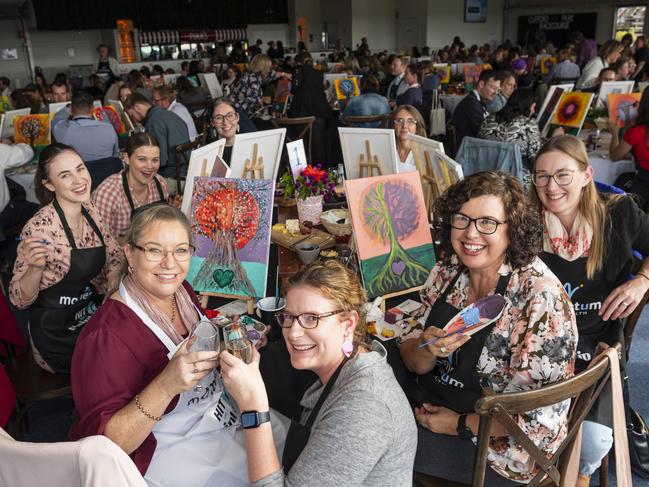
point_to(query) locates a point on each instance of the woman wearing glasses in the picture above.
(489, 243)
(226, 122)
(133, 378)
(66, 260)
(356, 427)
(587, 242)
(406, 120)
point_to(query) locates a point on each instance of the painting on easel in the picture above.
(231, 227)
(34, 130)
(201, 163)
(368, 152)
(256, 155)
(391, 232)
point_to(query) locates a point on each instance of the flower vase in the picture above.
(310, 209)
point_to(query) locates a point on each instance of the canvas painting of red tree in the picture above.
(231, 220)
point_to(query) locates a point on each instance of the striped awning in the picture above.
(175, 36)
(159, 37)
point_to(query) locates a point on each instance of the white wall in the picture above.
(374, 19)
(446, 20)
(16, 70)
(269, 32)
(337, 13)
(309, 9)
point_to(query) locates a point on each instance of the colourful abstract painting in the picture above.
(231, 220)
(571, 111)
(472, 73)
(110, 115)
(346, 88)
(443, 71)
(546, 64)
(623, 108)
(32, 129)
(391, 231)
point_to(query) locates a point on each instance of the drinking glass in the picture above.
(204, 338)
(237, 342)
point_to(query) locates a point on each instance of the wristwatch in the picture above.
(463, 430)
(252, 419)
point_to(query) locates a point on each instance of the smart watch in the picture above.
(252, 419)
(463, 430)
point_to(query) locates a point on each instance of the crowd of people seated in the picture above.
(101, 268)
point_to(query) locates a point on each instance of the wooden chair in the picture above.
(182, 158)
(32, 384)
(584, 389)
(361, 120)
(451, 136)
(306, 132)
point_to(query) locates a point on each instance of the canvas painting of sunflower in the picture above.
(571, 111)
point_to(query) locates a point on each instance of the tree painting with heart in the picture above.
(391, 230)
(230, 221)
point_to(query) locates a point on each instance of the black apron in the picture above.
(454, 382)
(127, 191)
(587, 296)
(60, 311)
(298, 435)
(104, 72)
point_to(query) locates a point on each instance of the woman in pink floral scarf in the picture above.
(587, 242)
(489, 243)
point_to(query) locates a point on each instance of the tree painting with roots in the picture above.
(389, 214)
(32, 129)
(231, 222)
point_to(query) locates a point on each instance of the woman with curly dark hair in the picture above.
(587, 242)
(489, 243)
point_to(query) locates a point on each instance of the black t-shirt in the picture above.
(641, 54)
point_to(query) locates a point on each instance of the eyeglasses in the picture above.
(562, 178)
(404, 121)
(305, 320)
(484, 224)
(230, 117)
(181, 253)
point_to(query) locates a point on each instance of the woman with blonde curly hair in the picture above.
(356, 427)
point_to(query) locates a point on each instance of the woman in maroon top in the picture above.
(636, 142)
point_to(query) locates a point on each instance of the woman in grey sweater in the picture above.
(356, 426)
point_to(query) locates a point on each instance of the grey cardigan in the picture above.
(364, 435)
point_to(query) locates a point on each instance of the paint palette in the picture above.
(477, 315)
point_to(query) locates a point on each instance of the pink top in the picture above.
(47, 225)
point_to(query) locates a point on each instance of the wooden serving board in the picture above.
(316, 237)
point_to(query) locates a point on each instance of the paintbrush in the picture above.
(42, 241)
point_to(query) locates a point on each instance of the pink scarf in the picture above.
(569, 246)
(185, 306)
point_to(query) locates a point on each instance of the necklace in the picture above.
(173, 308)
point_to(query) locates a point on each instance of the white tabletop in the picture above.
(605, 170)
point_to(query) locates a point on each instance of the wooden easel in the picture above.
(254, 166)
(367, 163)
(205, 296)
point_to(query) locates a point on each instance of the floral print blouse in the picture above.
(532, 345)
(247, 93)
(47, 225)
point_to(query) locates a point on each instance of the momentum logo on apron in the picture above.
(580, 308)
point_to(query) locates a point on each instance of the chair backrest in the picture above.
(451, 135)
(477, 155)
(182, 157)
(297, 128)
(100, 169)
(584, 389)
(95, 461)
(362, 120)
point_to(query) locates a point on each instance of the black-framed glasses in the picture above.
(484, 224)
(152, 253)
(305, 320)
(563, 178)
(230, 117)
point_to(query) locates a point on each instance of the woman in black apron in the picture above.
(588, 242)
(119, 195)
(489, 243)
(356, 426)
(61, 291)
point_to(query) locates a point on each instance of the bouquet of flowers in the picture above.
(312, 181)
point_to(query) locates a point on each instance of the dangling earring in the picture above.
(348, 347)
(130, 269)
(238, 128)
